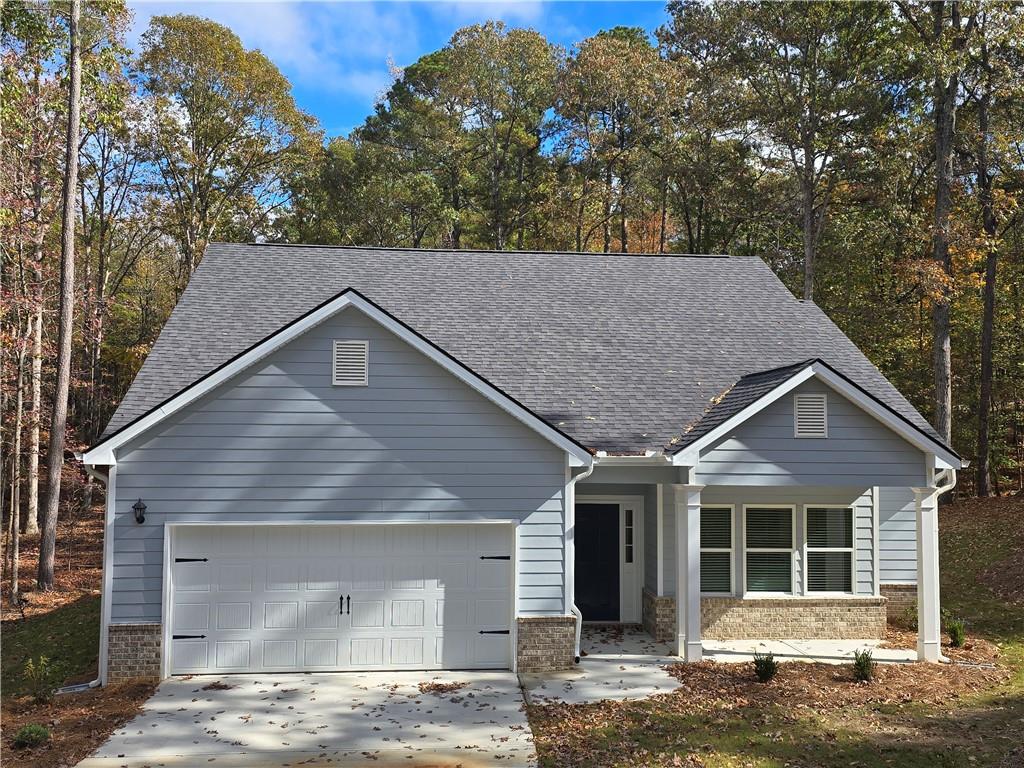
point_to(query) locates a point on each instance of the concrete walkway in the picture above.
(365, 719)
(624, 662)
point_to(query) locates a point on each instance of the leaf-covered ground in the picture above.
(967, 714)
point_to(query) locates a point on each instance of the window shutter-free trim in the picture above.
(810, 415)
(350, 363)
(769, 546)
(830, 545)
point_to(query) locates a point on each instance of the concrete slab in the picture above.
(621, 662)
(335, 720)
(624, 662)
(812, 651)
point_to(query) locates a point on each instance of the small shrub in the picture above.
(863, 666)
(43, 678)
(909, 618)
(765, 666)
(31, 736)
(957, 629)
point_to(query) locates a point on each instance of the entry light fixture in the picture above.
(139, 508)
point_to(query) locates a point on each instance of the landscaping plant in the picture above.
(863, 666)
(42, 678)
(31, 736)
(957, 629)
(765, 666)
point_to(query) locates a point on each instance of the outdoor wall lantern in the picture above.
(140, 511)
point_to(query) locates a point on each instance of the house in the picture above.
(356, 458)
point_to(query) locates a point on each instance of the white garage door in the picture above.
(290, 598)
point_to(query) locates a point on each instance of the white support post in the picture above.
(687, 505)
(929, 640)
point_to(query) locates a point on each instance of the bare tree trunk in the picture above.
(946, 88)
(34, 443)
(58, 424)
(15, 553)
(988, 218)
(807, 199)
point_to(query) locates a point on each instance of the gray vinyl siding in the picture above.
(859, 450)
(897, 522)
(279, 442)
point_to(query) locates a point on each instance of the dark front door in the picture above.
(597, 561)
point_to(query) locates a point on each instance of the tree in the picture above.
(223, 131)
(945, 33)
(58, 422)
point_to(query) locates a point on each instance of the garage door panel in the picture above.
(234, 616)
(419, 597)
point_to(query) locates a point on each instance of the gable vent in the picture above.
(810, 416)
(351, 363)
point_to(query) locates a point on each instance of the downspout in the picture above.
(570, 567)
(79, 687)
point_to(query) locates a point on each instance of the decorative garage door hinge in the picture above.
(190, 560)
(495, 557)
(188, 637)
(493, 631)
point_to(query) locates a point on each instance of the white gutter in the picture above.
(79, 687)
(570, 555)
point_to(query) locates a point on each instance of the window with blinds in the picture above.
(829, 549)
(716, 550)
(350, 364)
(768, 549)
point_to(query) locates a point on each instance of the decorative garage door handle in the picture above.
(343, 602)
(187, 637)
(493, 631)
(190, 560)
(495, 557)
(348, 603)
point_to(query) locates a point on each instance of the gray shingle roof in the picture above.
(621, 352)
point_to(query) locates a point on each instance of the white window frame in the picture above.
(731, 550)
(792, 551)
(823, 397)
(807, 549)
(334, 362)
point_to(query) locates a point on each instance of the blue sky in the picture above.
(340, 56)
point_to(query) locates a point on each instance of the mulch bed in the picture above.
(79, 723)
(974, 651)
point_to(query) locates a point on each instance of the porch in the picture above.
(623, 661)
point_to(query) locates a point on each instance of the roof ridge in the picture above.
(452, 251)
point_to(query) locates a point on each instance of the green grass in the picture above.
(975, 730)
(68, 636)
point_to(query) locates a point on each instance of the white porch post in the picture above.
(929, 641)
(687, 498)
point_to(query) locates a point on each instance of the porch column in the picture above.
(687, 499)
(929, 640)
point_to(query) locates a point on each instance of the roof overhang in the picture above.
(104, 452)
(944, 457)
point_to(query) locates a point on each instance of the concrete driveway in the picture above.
(366, 719)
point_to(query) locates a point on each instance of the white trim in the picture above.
(876, 544)
(852, 549)
(688, 619)
(691, 454)
(106, 606)
(746, 593)
(630, 611)
(167, 609)
(731, 550)
(660, 538)
(104, 452)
